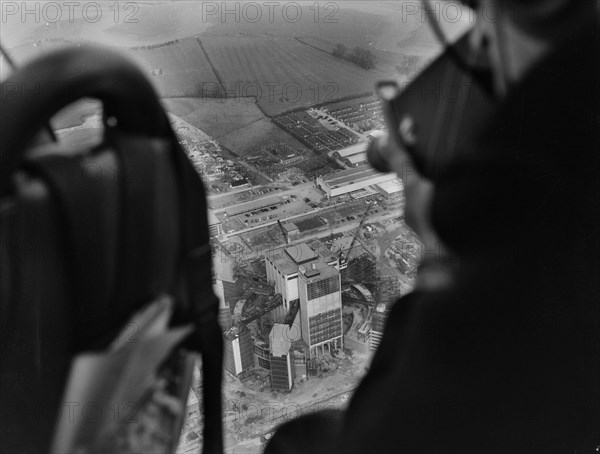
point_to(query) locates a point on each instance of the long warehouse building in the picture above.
(351, 150)
(346, 181)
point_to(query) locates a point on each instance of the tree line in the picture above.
(359, 56)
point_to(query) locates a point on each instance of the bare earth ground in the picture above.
(251, 413)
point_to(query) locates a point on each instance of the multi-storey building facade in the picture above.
(238, 350)
(282, 358)
(320, 306)
(215, 227)
(310, 274)
(262, 355)
(377, 325)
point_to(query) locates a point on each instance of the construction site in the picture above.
(306, 283)
(301, 321)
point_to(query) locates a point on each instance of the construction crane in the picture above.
(343, 261)
(263, 307)
(260, 297)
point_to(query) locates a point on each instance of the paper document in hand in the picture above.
(104, 390)
(151, 320)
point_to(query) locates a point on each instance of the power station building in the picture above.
(215, 227)
(224, 286)
(238, 350)
(320, 306)
(347, 181)
(282, 358)
(377, 325)
(309, 273)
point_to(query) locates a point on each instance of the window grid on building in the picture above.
(325, 326)
(264, 363)
(378, 322)
(246, 349)
(263, 357)
(323, 287)
(279, 373)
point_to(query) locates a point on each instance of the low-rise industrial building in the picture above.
(347, 181)
(391, 189)
(376, 134)
(290, 230)
(357, 159)
(349, 151)
(254, 205)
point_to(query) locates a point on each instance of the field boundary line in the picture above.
(314, 47)
(213, 68)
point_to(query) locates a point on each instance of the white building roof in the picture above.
(357, 158)
(354, 149)
(280, 339)
(288, 259)
(212, 218)
(377, 133)
(392, 186)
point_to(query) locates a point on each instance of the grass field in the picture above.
(238, 124)
(241, 59)
(260, 59)
(387, 61)
(178, 69)
(282, 73)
